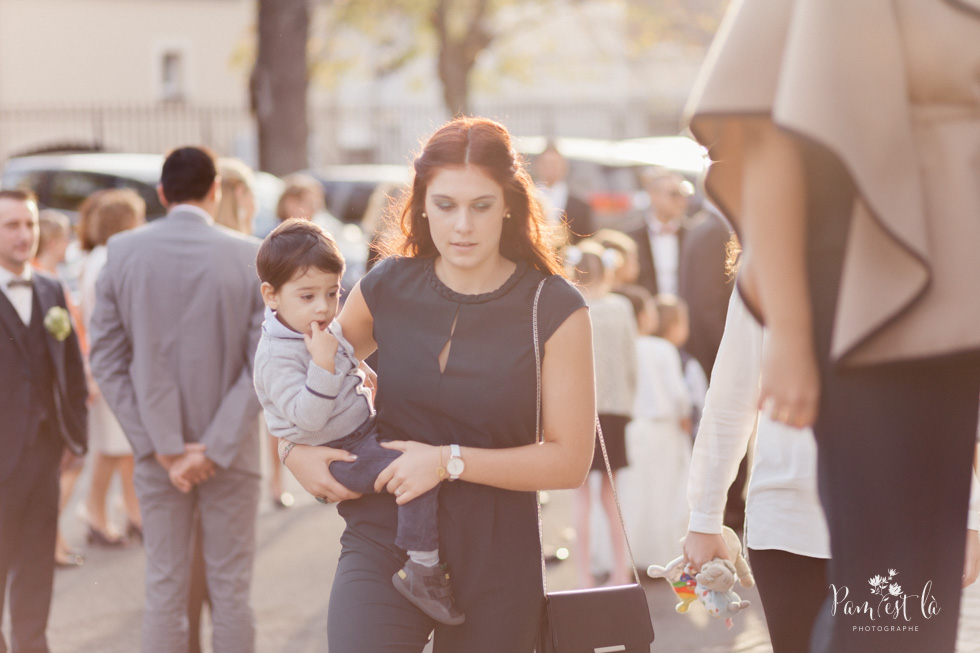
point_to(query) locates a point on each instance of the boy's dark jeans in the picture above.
(417, 522)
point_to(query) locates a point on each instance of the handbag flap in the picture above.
(601, 620)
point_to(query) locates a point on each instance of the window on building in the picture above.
(172, 76)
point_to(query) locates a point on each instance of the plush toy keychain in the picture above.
(683, 583)
(713, 586)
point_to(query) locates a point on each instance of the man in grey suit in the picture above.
(176, 323)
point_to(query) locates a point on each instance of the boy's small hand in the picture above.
(322, 346)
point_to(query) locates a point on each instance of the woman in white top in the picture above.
(785, 530)
(614, 346)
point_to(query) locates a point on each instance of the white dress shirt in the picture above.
(782, 509)
(192, 209)
(666, 249)
(22, 297)
(556, 199)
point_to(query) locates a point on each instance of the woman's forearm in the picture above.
(547, 466)
(774, 227)
(730, 412)
(775, 273)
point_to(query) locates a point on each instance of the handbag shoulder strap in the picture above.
(539, 439)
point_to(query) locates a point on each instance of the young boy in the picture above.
(312, 392)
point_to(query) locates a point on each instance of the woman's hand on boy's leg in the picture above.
(311, 467)
(413, 473)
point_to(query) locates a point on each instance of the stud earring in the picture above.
(507, 216)
(424, 216)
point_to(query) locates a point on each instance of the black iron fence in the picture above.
(338, 134)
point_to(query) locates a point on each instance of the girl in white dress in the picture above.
(653, 487)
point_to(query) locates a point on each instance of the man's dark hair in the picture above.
(188, 174)
(294, 246)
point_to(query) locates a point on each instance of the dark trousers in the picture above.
(793, 589)
(895, 444)
(367, 613)
(28, 524)
(418, 526)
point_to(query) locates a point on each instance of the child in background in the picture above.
(614, 346)
(653, 487)
(312, 392)
(675, 328)
(627, 271)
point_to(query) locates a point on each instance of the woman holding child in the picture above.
(451, 319)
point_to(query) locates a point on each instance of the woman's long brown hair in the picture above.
(485, 143)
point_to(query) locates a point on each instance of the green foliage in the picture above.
(690, 22)
(375, 38)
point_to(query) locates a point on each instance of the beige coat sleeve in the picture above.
(837, 72)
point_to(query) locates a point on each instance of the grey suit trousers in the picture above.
(228, 503)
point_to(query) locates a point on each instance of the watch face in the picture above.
(455, 466)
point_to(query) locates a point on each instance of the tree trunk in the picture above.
(457, 55)
(279, 83)
(454, 72)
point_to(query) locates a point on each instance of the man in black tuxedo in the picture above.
(42, 404)
(551, 172)
(660, 240)
(705, 282)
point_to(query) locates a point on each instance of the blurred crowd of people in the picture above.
(660, 299)
(657, 296)
(657, 293)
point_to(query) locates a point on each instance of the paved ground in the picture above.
(97, 607)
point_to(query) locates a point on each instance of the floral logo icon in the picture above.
(884, 587)
(892, 602)
(58, 323)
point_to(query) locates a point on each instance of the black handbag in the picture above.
(600, 620)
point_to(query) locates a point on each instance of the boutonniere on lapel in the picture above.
(58, 323)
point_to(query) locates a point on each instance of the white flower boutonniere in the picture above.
(58, 323)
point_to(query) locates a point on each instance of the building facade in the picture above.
(146, 75)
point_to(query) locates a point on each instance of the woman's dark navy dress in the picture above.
(484, 398)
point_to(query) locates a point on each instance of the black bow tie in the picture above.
(19, 281)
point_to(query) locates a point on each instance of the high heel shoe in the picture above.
(108, 540)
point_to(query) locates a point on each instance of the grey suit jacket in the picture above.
(177, 318)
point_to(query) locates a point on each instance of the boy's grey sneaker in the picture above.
(429, 590)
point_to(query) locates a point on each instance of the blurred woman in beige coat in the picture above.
(846, 137)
